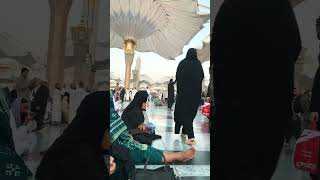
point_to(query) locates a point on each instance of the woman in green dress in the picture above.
(140, 152)
(12, 167)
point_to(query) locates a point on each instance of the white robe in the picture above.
(127, 97)
(56, 105)
(24, 140)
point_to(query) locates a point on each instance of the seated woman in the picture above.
(140, 152)
(79, 152)
(22, 125)
(136, 119)
(12, 165)
(133, 115)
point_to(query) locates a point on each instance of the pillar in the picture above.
(128, 60)
(59, 10)
(129, 47)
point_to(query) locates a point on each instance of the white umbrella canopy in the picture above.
(159, 26)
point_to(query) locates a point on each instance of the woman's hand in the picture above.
(113, 166)
(314, 116)
(142, 127)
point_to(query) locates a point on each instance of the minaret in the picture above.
(138, 69)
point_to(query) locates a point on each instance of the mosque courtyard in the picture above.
(196, 169)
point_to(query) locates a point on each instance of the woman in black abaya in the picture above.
(189, 78)
(78, 152)
(255, 46)
(171, 94)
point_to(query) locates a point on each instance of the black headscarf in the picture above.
(189, 75)
(133, 114)
(192, 55)
(79, 149)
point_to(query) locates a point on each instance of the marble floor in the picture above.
(196, 169)
(199, 167)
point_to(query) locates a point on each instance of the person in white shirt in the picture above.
(127, 96)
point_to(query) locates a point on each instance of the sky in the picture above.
(156, 66)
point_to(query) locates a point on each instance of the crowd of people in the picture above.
(124, 95)
(32, 106)
(57, 106)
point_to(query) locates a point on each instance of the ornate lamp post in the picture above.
(83, 41)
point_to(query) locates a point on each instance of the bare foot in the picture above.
(188, 154)
(191, 141)
(183, 136)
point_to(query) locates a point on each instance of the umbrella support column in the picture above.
(59, 11)
(129, 60)
(129, 47)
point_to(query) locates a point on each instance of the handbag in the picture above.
(306, 154)
(162, 173)
(206, 109)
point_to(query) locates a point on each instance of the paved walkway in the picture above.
(196, 169)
